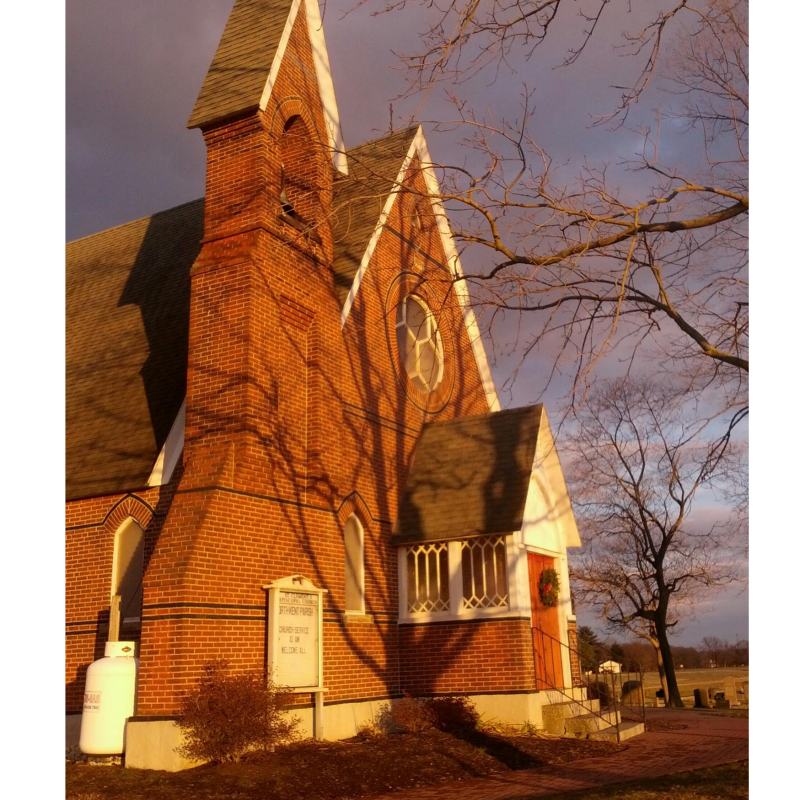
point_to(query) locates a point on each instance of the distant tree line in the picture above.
(636, 656)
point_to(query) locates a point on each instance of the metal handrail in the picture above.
(619, 708)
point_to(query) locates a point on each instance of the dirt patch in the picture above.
(659, 726)
(333, 770)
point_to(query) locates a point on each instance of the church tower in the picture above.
(264, 342)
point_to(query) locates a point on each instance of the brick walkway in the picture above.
(706, 741)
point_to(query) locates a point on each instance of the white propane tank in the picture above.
(109, 700)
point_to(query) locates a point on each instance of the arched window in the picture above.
(420, 215)
(299, 194)
(354, 566)
(128, 569)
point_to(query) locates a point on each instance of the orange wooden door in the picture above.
(545, 628)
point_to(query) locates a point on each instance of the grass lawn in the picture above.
(331, 770)
(691, 678)
(728, 782)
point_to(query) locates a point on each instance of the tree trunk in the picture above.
(662, 675)
(673, 698)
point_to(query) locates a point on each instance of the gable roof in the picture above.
(247, 60)
(127, 310)
(359, 199)
(418, 148)
(470, 476)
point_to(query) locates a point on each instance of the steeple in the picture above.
(246, 65)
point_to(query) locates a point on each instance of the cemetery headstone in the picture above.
(632, 693)
(701, 699)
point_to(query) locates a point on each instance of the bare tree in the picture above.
(741, 652)
(658, 263)
(716, 649)
(637, 464)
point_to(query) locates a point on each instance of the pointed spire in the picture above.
(238, 74)
(247, 61)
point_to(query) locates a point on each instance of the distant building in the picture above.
(611, 667)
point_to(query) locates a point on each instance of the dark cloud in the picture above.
(134, 68)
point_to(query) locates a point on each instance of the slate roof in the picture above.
(358, 200)
(238, 74)
(469, 476)
(127, 312)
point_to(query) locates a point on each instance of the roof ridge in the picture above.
(501, 412)
(390, 135)
(138, 219)
(471, 417)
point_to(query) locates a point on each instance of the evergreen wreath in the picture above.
(548, 587)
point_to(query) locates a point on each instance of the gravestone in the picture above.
(731, 695)
(701, 699)
(632, 693)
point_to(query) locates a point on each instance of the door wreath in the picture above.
(548, 587)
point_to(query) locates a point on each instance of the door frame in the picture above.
(564, 606)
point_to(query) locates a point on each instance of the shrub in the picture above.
(453, 713)
(368, 731)
(408, 715)
(227, 715)
(417, 715)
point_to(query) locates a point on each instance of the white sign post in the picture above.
(294, 638)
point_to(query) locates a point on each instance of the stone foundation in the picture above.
(151, 743)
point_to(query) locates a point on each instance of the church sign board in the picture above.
(294, 638)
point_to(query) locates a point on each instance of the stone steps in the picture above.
(585, 724)
(626, 731)
(554, 716)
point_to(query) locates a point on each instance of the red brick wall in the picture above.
(473, 657)
(89, 552)
(574, 658)
(292, 424)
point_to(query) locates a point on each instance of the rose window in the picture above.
(419, 343)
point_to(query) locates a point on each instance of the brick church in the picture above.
(280, 380)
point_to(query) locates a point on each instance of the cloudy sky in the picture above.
(134, 68)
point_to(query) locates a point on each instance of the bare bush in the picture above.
(409, 715)
(228, 715)
(453, 713)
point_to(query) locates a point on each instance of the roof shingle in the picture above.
(238, 74)
(359, 199)
(127, 311)
(469, 476)
(128, 291)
